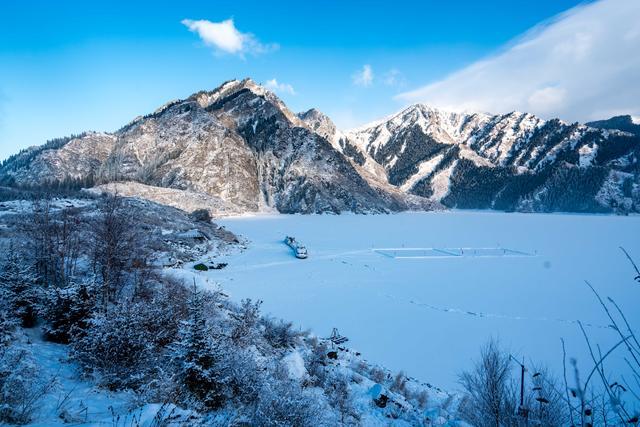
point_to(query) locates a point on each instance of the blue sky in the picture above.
(71, 66)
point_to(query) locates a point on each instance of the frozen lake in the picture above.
(429, 315)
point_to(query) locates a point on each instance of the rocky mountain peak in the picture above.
(226, 89)
(319, 123)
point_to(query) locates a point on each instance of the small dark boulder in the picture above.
(381, 402)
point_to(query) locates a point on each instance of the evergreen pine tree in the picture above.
(7, 325)
(67, 311)
(197, 357)
(18, 286)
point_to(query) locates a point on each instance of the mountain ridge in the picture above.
(240, 144)
(513, 161)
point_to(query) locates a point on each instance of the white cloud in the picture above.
(547, 100)
(582, 65)
(363, 77)
(279, 87)
(393, 77)
(224, 37)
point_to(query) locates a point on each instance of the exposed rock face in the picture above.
(241, 149)
(66, 158)
(515, 161)
(238, 143)
(320, 123)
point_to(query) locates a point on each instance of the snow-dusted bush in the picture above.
(336, 388)
(378, 375)
(21, 385)
(116, 347)
(315, 361)
(283, 402)
(244, 328)
(422, 399)
(244, 375)
(66, 310)
(281, 334)
(399, 384)
(167, 307)
(490, 396)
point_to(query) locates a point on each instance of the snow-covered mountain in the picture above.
(514, 161)
(240, 147)
(238, 143)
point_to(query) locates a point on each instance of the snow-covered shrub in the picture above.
(21, 385)
(116, 347)
(492, 390)
(167, 308)
(66, 310)
(545, 399)
(283, 402)
(422, 399)
(490, 399)
(18, 287)
(281, 334)
(243, 375)
(399, 384)
(244, 329)
(315, 361)
(336, 388)
(378, 375)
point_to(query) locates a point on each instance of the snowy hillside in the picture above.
(514, 161)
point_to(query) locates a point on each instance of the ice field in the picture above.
(410, 293)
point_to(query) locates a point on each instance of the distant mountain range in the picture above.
(243, 149)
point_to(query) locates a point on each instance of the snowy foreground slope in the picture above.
(429, 316)
(120, 360)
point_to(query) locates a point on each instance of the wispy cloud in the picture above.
(582, 65)
(393, 77)
(363, 77)
(224, 37)
(275, 86)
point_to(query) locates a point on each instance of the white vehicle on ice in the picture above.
(299, 250)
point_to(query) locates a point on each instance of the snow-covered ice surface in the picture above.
(430, 316)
